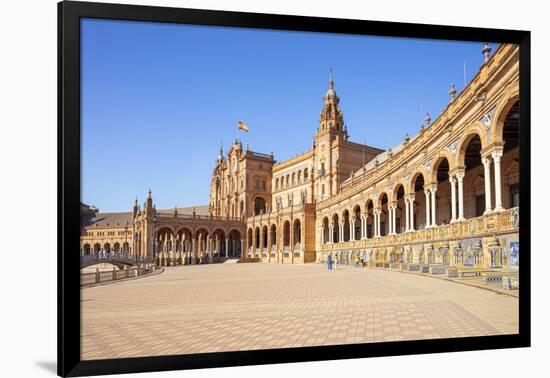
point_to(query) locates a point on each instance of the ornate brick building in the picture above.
(447, 195)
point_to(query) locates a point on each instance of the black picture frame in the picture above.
(69, 15)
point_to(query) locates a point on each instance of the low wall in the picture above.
(97, 277)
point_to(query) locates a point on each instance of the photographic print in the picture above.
(252, 189)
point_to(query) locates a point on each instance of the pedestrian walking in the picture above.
(336, 262)
(329, 262)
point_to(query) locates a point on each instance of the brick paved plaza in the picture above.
(228, 307)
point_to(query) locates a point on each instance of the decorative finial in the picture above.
(247, 148)
(221, 149)
(150, 193)
(407, 138)
(427, 119)
(390, 153)
(452, 91)
(421, 127)
(331, 81)
(486, 50)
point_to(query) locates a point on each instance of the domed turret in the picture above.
(332, 117)
(331, 92)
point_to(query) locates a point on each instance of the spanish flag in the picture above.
(242, 126)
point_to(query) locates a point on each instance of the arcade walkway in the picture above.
(225, 307)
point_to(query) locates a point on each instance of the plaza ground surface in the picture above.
(228, 307)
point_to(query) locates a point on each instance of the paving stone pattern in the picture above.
(229, 307)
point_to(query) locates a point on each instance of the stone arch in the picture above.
(347, 225)
(218, 241)
(411, 184)
(398, 198)
(369, 200)
(501, 112)
(186, 231)
(379, 198)
(297, 233)
(257, 238)
(234, 238)
(436, 161)
(86, 248)
(369, 212)
(184, 239)
(395, 189)
(471, 132)
(357, 224)
(164, 228)
(273, 234)
(249, 238)
(326, 229)
(286, 233)
(260, 205)
(335, 228)
(264, 237)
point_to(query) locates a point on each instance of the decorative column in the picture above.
(352, 229)
(497, 154)
(378, 212)
(460, 179)
(433, 190)
(391, 220)
(208, 248)
(427, 193)
(331, 233)
(193, 256)
(452, 180)
(394, 225)
(364, 227)
(226, 248)
(242, 247)
(487, 174)
(407, 216)
(341, 237)
(261, 241)
(411, 212)
(374, 223)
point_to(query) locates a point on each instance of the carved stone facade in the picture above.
(448, 195)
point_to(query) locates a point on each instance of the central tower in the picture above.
(330, 134)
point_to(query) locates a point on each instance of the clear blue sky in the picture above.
(157, 99)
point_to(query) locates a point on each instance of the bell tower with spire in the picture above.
(330, 135)
(332, 119)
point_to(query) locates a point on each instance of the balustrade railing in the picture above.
(97, 277)
(107, 257)
(485, 224)
(200, 217)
